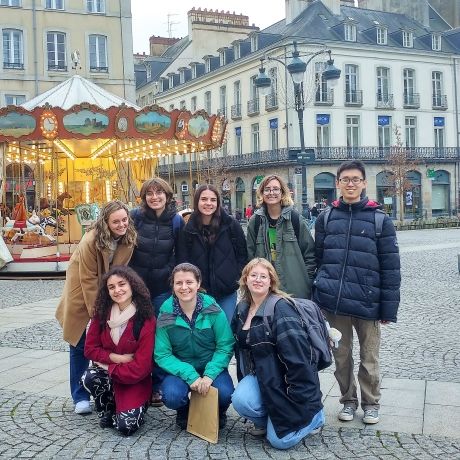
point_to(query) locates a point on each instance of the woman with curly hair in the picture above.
(120, 344)
(110, 241)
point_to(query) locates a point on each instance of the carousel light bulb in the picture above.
(108, 190)
(87, 197)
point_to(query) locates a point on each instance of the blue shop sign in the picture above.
(383, 120)
(273, 123)
(238, 131)
(323, 118)
(438, 121)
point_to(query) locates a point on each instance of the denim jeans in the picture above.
(158, 300)
(78, 366)
(247, 401)
(175, 391)
(228, 304)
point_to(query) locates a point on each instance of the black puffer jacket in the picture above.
(155, 254)
(220, 263)
(358, 273)
(282, 362)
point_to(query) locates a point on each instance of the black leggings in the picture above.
(97, 381)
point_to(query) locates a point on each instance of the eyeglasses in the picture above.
(354, 180)
(155, 193)
(274, 191)
(258, 276)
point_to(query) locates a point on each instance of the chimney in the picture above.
(294, 8)
(333, 5)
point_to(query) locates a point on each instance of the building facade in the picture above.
(398, 87)
(44, 42)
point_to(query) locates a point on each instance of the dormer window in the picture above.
(254, 43)
(382, 35)
(193, 66)
(207, 64)
(436, 42)
(236, 50)
(171, 80)
(222, 60)
(407, 39)
(350, 32)
(148, 72)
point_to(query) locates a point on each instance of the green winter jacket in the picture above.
(192, 353)
(295, 260)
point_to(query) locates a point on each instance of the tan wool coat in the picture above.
(86, 268)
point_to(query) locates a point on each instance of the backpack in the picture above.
(137, 218)
(295, 219)
(379, 218)
(313, 322)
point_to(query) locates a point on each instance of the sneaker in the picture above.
(106, 421)
(347, 414)
(257, 431)
(156, 400)
(182, 418)
(222, 421)
(83, 407)
(371, 416)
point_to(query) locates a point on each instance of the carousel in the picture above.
(71, 149)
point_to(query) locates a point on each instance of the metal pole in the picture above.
(300, 106)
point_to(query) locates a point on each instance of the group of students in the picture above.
(154, 286)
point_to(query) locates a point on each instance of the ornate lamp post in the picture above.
(296, 68)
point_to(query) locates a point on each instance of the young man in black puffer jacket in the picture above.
(357, 285)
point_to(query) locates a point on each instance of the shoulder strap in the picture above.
(176, 222)
(295, 219)
(258, 219)
(269, 310)
(379, 218)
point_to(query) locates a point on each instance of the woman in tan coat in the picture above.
(110, 241)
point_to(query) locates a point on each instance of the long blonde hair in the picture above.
(274, 280)
(102, 230)
(286, 199)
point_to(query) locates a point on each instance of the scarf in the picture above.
(119, 319)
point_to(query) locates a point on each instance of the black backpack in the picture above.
(295, 220)
(313, 322)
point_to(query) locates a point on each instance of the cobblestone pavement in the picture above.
(422, 345)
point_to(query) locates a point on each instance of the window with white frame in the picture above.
(171, 80)
(10, 2)
(238, 141)
(236, 51)
(352, 122)
(407, 39)
(182, 105)
(95, 6)
(54, 4)
(56, 51)
(222, 58)
(181, 76)
(351, 83)
(384, 130)
(223, 101)
(382, 35)
(410, 124)
(13, 49)
(439, 123)
(321, 82)
(254, 42)
(255, 140)
(14, 99)
(409, 86)
(436, 42)
(323, 133)
(98, 53)
(273, 125)
(207, 64)
(237, 93)
(436, 88)
(193, 66)
(193, 104)
(207, 101)
(349, 32)
(273, 74)
(383, 84)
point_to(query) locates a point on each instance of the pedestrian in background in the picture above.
(357, 285)
(279, 234)
(120, 345)
(214, 242)
(110, 241)
(249, 211)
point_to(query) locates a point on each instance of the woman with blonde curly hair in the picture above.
(279, 234)
(278, 387)
(110, 241)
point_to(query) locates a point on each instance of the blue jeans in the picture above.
(175, 391)
(247, 401)
(78, 366)
(158, 300)
(228, 304)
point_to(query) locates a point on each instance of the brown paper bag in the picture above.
(203, 415)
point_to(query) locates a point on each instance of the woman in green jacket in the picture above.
(278, 233)
(193, 345)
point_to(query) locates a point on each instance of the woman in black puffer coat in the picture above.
(214, 241)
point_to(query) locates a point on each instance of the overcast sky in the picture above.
(151, 17)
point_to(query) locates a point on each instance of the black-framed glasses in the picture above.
(273, 190)
(353, 180)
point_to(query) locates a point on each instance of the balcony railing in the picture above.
(411, 100)
(439, 102)
(236, 112)
(253, 107)
(58, 68)
(13, 65)
(324, 97)
(354, 98)
(384, 101)
(222, 112)
(271, 101)
(99, 69)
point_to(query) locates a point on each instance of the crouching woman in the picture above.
(194, 345)
(278, 387)
(120, 343)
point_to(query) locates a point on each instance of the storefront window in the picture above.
(440, 194)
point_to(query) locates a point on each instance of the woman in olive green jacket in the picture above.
(193, 345)
(276, 232)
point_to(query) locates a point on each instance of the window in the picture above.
(273, 124)
(439, 132)
(273, 74)
(351, 83)
(182, 105)
(352, 131)
(383, 83)
(410, 127)
(436, 86)
(321, 83)
(193, 70)
(323, 135)
(193, 104)
(254, 42)
(237, 92)
(222, 58)
(181, 76)
(55, 45)
(54, 4)
(10, 3)
(436, 42)
(223, 100)
(382, 35)
(407, 39)
(255, 137)
(207, 101)
(95, 6)
(350, 32)
(98, 53)
(409, 86)
(207, 64)
(13, 52)
(14, 99)
(236, 51)
(238, 141)
(384, 130)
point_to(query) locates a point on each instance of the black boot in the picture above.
(182, 417)
(106, 421)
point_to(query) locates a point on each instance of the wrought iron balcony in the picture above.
(384, 101)
(411, 100)
(324, 97)
(271, 102)
(439, 102)
(57, 68)
(236, 112)
(354, 98)
(253, 107)
(13, 65)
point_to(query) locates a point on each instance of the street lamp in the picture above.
(296, 68)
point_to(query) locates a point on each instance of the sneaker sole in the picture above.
(372, 421)
(83, 411)
(345, 418)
